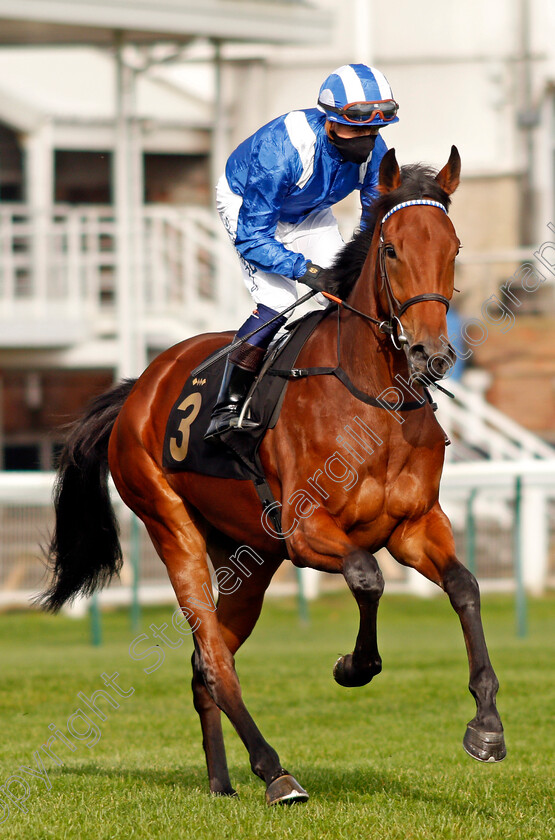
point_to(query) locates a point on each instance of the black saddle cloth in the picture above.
(184, 446)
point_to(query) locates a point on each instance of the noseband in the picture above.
(396, 308)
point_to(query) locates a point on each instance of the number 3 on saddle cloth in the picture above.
(184, 446)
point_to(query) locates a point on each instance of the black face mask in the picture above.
(353, 149)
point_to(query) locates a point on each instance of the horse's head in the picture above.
(417, 245)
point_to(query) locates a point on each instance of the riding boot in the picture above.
(240, 371)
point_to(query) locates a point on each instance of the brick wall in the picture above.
(522, 365)
(35, 406)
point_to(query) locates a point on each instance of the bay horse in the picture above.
(397, 279)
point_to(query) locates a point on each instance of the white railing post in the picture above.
(8, 266)
(534, 537)
(310, 583)
(38, 226)
(419, 585)
(74, 291)
(482, 426)
(190, 265)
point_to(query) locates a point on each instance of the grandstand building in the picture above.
(110, 144)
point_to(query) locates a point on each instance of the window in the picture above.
(11, 166)
(83, 177)
(177, 179)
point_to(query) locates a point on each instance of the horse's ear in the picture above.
(449, 177)
(390, 176)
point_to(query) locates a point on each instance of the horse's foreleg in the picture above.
(319, 543)
(484, 738)
(428, 546)
(365, 580)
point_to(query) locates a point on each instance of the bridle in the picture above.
(392, 326)
(396, 308)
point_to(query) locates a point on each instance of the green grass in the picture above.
(384, 761)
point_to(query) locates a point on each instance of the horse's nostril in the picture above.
(418, 355)
(439, 364)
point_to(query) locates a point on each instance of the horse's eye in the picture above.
(390, 252)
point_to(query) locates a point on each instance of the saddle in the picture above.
(237, 456)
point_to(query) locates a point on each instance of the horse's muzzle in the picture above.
(431, 364)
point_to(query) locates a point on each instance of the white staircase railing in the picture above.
(58, 273)
(478, 430)
(191, 272)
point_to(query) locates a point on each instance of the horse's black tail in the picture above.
(85, 552)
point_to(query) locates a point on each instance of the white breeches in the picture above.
(316, 237)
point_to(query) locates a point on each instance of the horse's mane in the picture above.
(417, 181)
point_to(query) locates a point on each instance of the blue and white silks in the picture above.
(284, 172)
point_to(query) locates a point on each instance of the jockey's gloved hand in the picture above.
(314, 277)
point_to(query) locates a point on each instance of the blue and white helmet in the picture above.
(355, 94)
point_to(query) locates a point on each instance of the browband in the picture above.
(414, 201)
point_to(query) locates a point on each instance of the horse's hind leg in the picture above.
(427, 545)
(210, 715)
(211, 725)
(365, 580)
(212, 733)
(181, 545)
(213, 659)
(237, 613)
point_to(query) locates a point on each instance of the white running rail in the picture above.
(487, 491)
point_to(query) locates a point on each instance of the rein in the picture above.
(343, 377)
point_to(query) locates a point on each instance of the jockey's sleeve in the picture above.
(369, 190)
(271, 175)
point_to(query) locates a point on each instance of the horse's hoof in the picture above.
(285, 791)
(348, 676)
(484, 746)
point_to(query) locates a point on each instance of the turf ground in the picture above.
(384, 761)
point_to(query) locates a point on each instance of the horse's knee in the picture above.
(363, 575)
(462, 587)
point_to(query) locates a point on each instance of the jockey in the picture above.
(274, 200)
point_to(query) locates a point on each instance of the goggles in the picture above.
(365, 112)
